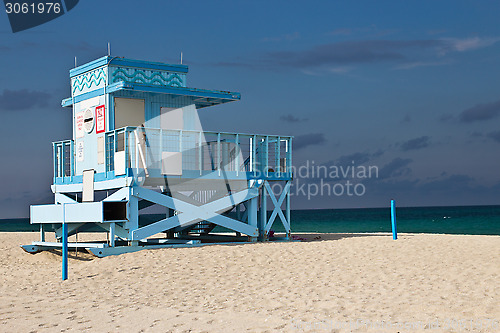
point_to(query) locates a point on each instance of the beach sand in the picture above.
(339, 283)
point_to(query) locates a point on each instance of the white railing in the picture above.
(63, 157)
(146, 149)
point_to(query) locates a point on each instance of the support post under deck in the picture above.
(252, 214)
(133, 217)
(42, 233)
(112, 234)
(263, 215)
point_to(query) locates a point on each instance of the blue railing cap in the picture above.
(133, 128)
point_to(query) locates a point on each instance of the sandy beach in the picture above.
(330, 283)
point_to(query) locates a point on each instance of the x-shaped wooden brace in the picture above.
(192, 214)
(277, 207)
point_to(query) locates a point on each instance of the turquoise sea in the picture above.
(472, 220)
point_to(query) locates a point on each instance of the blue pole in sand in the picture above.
(64, 247)
(393, 220)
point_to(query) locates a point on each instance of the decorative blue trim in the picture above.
(106, 60)
(89, 79)
(89, 66)
(157, 77)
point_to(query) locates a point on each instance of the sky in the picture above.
(410, 88)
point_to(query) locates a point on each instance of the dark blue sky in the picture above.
(412, 87)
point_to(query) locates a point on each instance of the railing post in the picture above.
(106, 155)
(218, 153)
(114, 151)
(200, 152)
(72, 159)
(237, 152)
(161, 149)
(126, 148)
(289, 157)
(277, 153)
(136, 145)
(54, 157)
(62, 160)
(287, 208)
(267, 156)
(181, 147)
(254, 152)
(250, 153)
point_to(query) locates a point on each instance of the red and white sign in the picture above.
(79, 125)
(100, 119)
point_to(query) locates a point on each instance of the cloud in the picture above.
(467, 44)
(415, 64)
(406, 119)
(350, 52)
(371, 30)
(74, 48)
(305, 140)
(480, 112)
(340, 69)
(395, 168)
(452, 182)
(242, 64)
(14, 100)
(341, 57)
(417, 143)
(476, 134)
(376, 51)
(341, 32)
(288, 37)
(82, 47)
(444, 118)
(292, 119)
(436, 32)
(378, 153)
(357, 158)
(494, 135)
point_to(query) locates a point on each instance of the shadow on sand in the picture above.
(317, 237)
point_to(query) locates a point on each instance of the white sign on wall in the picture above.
(79, 151)
(79, 125)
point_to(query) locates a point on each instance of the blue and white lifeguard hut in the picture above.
(138, 142)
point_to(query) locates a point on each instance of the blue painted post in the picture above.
(393, 219)
(64, 247)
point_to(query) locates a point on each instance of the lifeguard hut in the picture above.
(138, 142)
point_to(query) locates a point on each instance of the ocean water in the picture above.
(472, 220)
